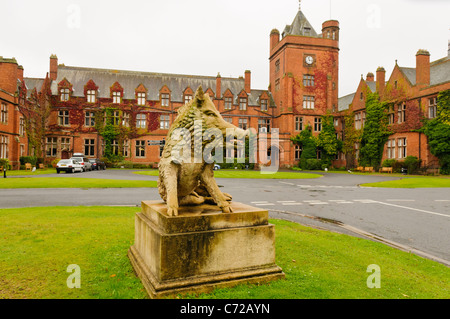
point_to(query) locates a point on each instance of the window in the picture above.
(141, 120)
(357, 146)
(401, 113)
(21, 126)
(63, 118)
(363, 118)
(164, 122)
(297, 152)
(299, 123)
(228, 103)
(4, 149)
(187, 98)
(358, 121)
(89, 147)
(390, 149)
(277, 65)
(391, 115)
(65, 143)
(165, 98)
(65, 93)
(308, 102)
(306, 31)
(242, 103)
(264, 125)
(22, 150)
(317, 124)
(126, 148)
(90, 96)
(277, 85)
(140, 148)
(89, 119)
(51, 146)
(361, 96)
(115, 147)
(116, 117)
(243, 124)
(264, 105)
(401, 142)
(116, 97)
(228, 119)
(308, 80)
(432, 107)
(126, 119)
(141, 99)
(4, 114)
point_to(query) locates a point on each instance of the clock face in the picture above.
(309, 59)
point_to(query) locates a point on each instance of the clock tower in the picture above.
(303, 79)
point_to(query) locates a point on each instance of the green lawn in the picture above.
(38, 244)
(231, 173)
(413, 182)
(30, 173)
(72, 182)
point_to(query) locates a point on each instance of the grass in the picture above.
(72, 182)
(413, 182)
(30, 173)
(38, 244)
(231, 173)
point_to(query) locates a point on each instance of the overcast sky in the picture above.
(204, 37)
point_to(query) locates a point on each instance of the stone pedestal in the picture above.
(202, 248)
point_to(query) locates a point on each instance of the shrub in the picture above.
(388, 163)
(412, 163)
(313, 164)
(28, 159)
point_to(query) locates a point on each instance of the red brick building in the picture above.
(13, 140)
(412, 95)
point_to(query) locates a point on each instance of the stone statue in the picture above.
(191, 182)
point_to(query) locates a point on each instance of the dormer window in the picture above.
(141, 99)
(307, 31)
(264, 105)
(228, 103)
(187, 98)
(65, 94)
(165, 98)
(90, 95)
(116, 97)
(242, 103)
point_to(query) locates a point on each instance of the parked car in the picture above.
(97, 164)
(83, 160)
(216, 167)
(68, 166)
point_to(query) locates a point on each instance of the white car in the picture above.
(84, 161)
(68, 166)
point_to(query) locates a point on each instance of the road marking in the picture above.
(259, 202)
(304, 185)
(267, 204)
(287, 183)
(415, 209)
(442, 200)
(400, 200)
(291, 204)
(286, 201)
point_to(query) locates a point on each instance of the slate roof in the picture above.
(153, 82)
(32, 83)
(298, 27)
(345, 101)
(439, 72)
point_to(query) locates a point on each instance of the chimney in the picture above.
(381, 80)
(274, 38)
(248, 76)
(20, 73)
(218, 86)
(423, 68)
(53, 67)
(370, 77)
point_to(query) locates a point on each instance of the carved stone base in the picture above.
(202, 248)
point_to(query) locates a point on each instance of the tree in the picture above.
(351, 137)
(308, 143)
(375, 132)
(327, 141)
(438, 132)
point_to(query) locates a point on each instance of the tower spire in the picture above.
(299, 5)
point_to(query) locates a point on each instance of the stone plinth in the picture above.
(202, 248)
